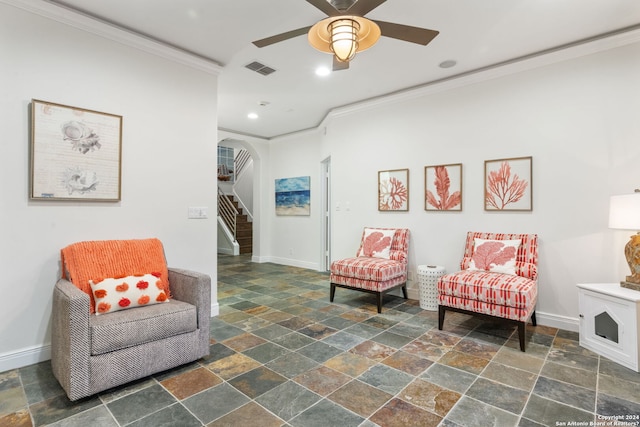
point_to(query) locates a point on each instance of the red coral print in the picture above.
(375, 242)
(159, 284)
(142, 284)
(100, 293)
(494, 253)
(144, 299)
(104, 307)
(123, 287)
(161, 297)
(124, 302)
(442, 183)
(155, 273)
(393, 195)
(502, 188)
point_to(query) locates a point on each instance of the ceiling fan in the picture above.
(346, 31)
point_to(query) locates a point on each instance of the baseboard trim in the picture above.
(32, 355)
(542, 318)
(413, 290)
(25, 357)
(226, 251)
(288, 261)
(556, 321)
(215, 309)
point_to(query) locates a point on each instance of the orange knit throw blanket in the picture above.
(97, 260)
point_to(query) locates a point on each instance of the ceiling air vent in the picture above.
(260, 68)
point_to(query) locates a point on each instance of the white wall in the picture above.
(168, 163)
(296, 240)
(577, 118)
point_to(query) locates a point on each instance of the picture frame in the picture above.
(508, 184)
(293, 196)
(76, 153)
(443, 188)
(393, 190)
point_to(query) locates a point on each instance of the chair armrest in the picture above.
(70, 338)
(194, 288)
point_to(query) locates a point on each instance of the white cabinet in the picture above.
(610, 321)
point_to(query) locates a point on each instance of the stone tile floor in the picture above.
(281, 354)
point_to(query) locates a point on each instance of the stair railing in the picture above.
(240, 161)
(227, 212)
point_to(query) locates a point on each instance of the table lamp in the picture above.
(624, 214)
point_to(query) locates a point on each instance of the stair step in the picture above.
(244, 229)
(244, 232)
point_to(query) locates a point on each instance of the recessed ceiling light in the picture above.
(252, 116)
(448, 63)
(323, 71)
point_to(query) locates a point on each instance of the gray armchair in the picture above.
(91, 353)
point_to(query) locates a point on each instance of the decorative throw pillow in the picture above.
(498, 256)
(377, 243)
(127, 292)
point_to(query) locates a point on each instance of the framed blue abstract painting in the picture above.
(293, 196)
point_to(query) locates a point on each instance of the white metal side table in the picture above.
(428, 276)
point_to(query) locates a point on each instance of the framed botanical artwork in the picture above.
(75, 153)
(443, 187)
(507, 184)
(293, 196)
(393, 190)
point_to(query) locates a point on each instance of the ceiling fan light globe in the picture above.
(344, 38)
(320, 36)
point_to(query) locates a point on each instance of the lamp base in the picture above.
(630, 285)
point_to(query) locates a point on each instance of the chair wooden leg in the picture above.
(441, 311)
(379, 302)
(522, 329)
(533, 319)
(404, 291)
(332, 293)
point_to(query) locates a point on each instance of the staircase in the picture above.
(244, 229)
(238, 223)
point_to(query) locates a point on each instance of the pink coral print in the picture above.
(393, 195)
(375, 243)
(444, 201)
(504, 188)
(494, 253)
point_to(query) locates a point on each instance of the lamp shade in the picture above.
(624, 212)
(321, 35)
(344, 38)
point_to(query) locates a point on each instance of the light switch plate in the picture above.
(198, 212)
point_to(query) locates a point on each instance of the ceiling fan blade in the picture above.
(281, 37)
(362, 7)
(325, 6)
(338, 65)
(407, 33)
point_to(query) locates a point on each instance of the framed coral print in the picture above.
(443, 187)
(393, 190)
(507, 184)
(75, 153)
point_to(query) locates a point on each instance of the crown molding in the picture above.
(103, 29)
(562, 53)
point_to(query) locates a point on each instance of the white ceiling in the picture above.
(474, 33)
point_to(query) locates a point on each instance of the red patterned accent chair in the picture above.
(498, 278)
(379, 266)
